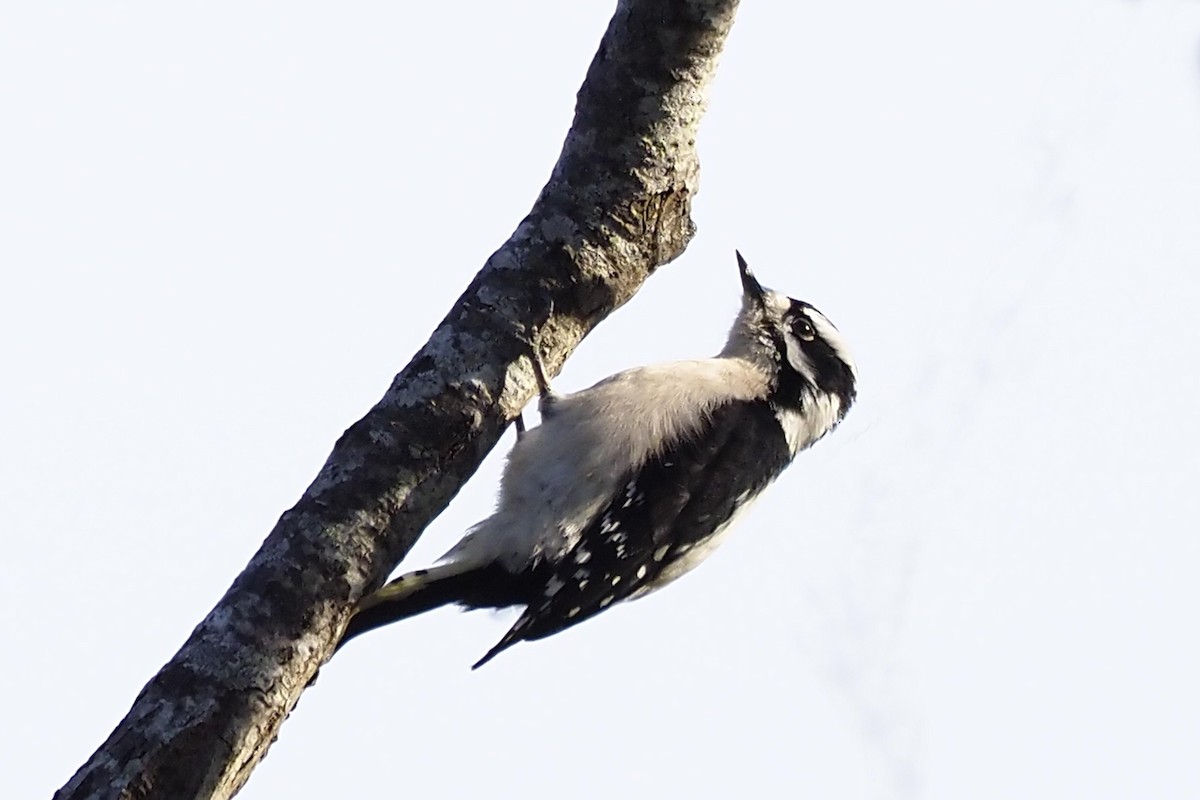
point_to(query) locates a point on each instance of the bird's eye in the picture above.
(804, 329)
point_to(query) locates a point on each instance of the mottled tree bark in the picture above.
(616, 207)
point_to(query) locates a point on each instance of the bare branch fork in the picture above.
(617, 207)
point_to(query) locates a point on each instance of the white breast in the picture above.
(802, 429)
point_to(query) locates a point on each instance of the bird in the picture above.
(626, 486)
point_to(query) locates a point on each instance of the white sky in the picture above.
(224, 228)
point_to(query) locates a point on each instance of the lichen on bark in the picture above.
(617, 206)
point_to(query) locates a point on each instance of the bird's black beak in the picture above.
(750, 285)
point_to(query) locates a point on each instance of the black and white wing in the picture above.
(670, 513)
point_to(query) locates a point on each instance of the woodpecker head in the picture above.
(802, 348)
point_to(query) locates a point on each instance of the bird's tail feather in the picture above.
(488, 586)
(409, 595)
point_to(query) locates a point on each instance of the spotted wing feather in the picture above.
(667, 509)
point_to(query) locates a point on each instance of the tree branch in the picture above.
(616, 207)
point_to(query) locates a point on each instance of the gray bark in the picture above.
(617, 206)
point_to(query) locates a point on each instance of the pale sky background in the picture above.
(225, 227)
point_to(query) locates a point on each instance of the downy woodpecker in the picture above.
(629, 484)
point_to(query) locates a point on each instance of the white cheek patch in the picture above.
(777, 307)
(797, 358)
